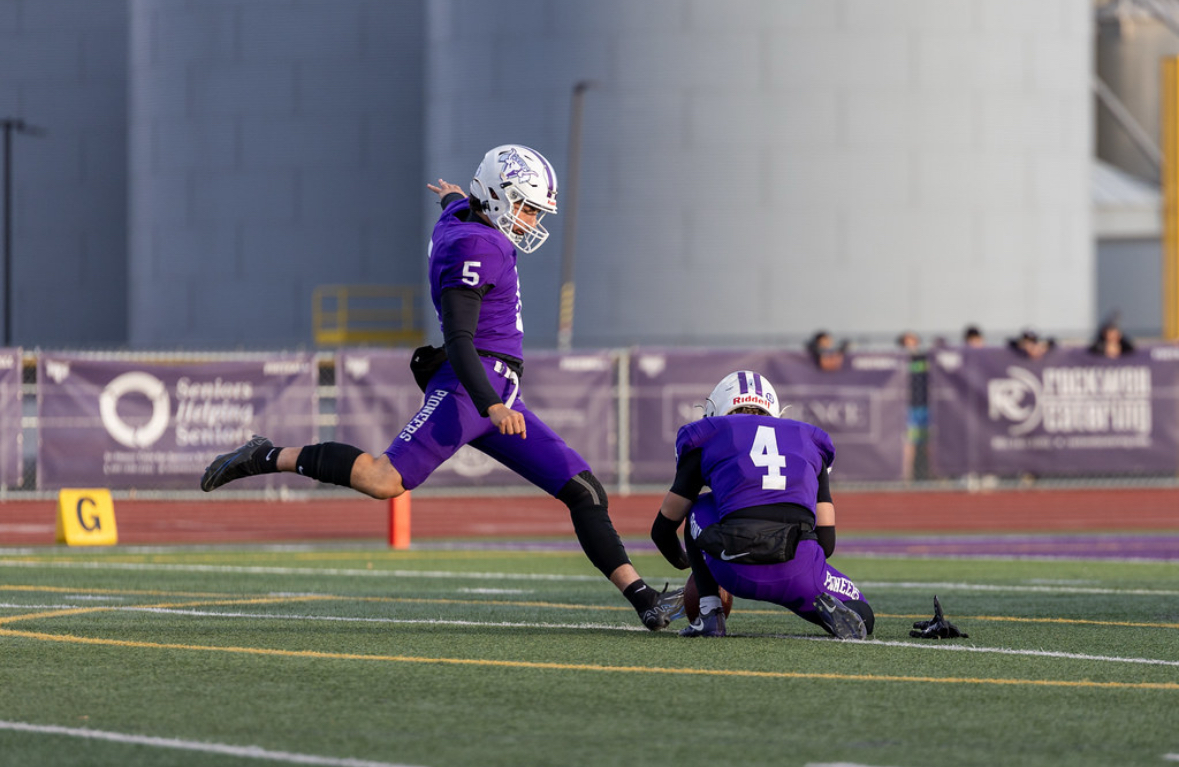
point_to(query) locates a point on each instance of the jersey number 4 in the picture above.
(765, 455)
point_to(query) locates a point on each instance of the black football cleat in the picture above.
(839, 619)
(230, 466)
(668, 607)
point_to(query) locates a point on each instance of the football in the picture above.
(692, 600)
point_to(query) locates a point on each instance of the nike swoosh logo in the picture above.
(271, 453)
(731, 557)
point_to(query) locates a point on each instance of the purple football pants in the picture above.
(793, 585)
(448, 420)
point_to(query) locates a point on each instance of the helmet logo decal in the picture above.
(514, 168)
(753, 381)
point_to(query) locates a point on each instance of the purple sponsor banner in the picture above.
(11, 435)
(1070, 413)
(863, 406)
(572, 393)
(375, 396)
(124, 424)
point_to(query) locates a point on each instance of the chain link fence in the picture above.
(951, 417)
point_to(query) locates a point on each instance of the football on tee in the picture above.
(692, 600)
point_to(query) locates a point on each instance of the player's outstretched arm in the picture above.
(444, 188)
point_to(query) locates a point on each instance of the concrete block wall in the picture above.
(275, 148)
(751, 170)
(757, 169)
(62, 68)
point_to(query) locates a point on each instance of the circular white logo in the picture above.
(469, 462)
(135, 383)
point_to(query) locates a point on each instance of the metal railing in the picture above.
(366, 315)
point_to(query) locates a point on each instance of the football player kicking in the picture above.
(472, 385)
(768, 526)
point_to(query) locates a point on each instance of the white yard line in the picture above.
(588, 626)
(401, 621)
(615, 627)
(245, 752)
(366, 573)
(1039, 589)
(947, 647)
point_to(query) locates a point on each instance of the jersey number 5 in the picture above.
(765, 455)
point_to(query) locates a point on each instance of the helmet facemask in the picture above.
(512, 222)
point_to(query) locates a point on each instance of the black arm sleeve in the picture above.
(824, 487)
(664, 532)
(460, 317)
(826, 535)
(447, 199)
(689, 477)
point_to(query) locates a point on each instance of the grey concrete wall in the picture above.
(752, 169)
(62, 68)
(757, 169)
(1128, 285)
(275, 146)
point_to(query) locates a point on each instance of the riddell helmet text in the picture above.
(750, 399)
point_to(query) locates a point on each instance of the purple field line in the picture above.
(1161, 547)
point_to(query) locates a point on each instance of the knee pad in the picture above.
(587, 502)
(583, 491)
(329, 462)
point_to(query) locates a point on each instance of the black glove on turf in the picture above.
(938, 628)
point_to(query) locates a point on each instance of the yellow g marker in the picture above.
(86, 517)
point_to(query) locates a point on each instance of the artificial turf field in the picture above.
(363, 656)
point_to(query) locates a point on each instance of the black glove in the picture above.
(938, 628)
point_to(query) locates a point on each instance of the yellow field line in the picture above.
(1074, 622)
(532, 665)
(1064, 621)
(53, 614)
(167, 606)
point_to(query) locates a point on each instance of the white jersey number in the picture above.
(765, 455)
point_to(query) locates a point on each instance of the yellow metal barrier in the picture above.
(382, 315)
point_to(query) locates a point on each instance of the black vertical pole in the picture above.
(11, 125)
(573, 180)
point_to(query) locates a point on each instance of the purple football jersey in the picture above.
(757, 460)
(474, 255)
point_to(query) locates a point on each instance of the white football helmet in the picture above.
(510, 177)
(742, 389)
